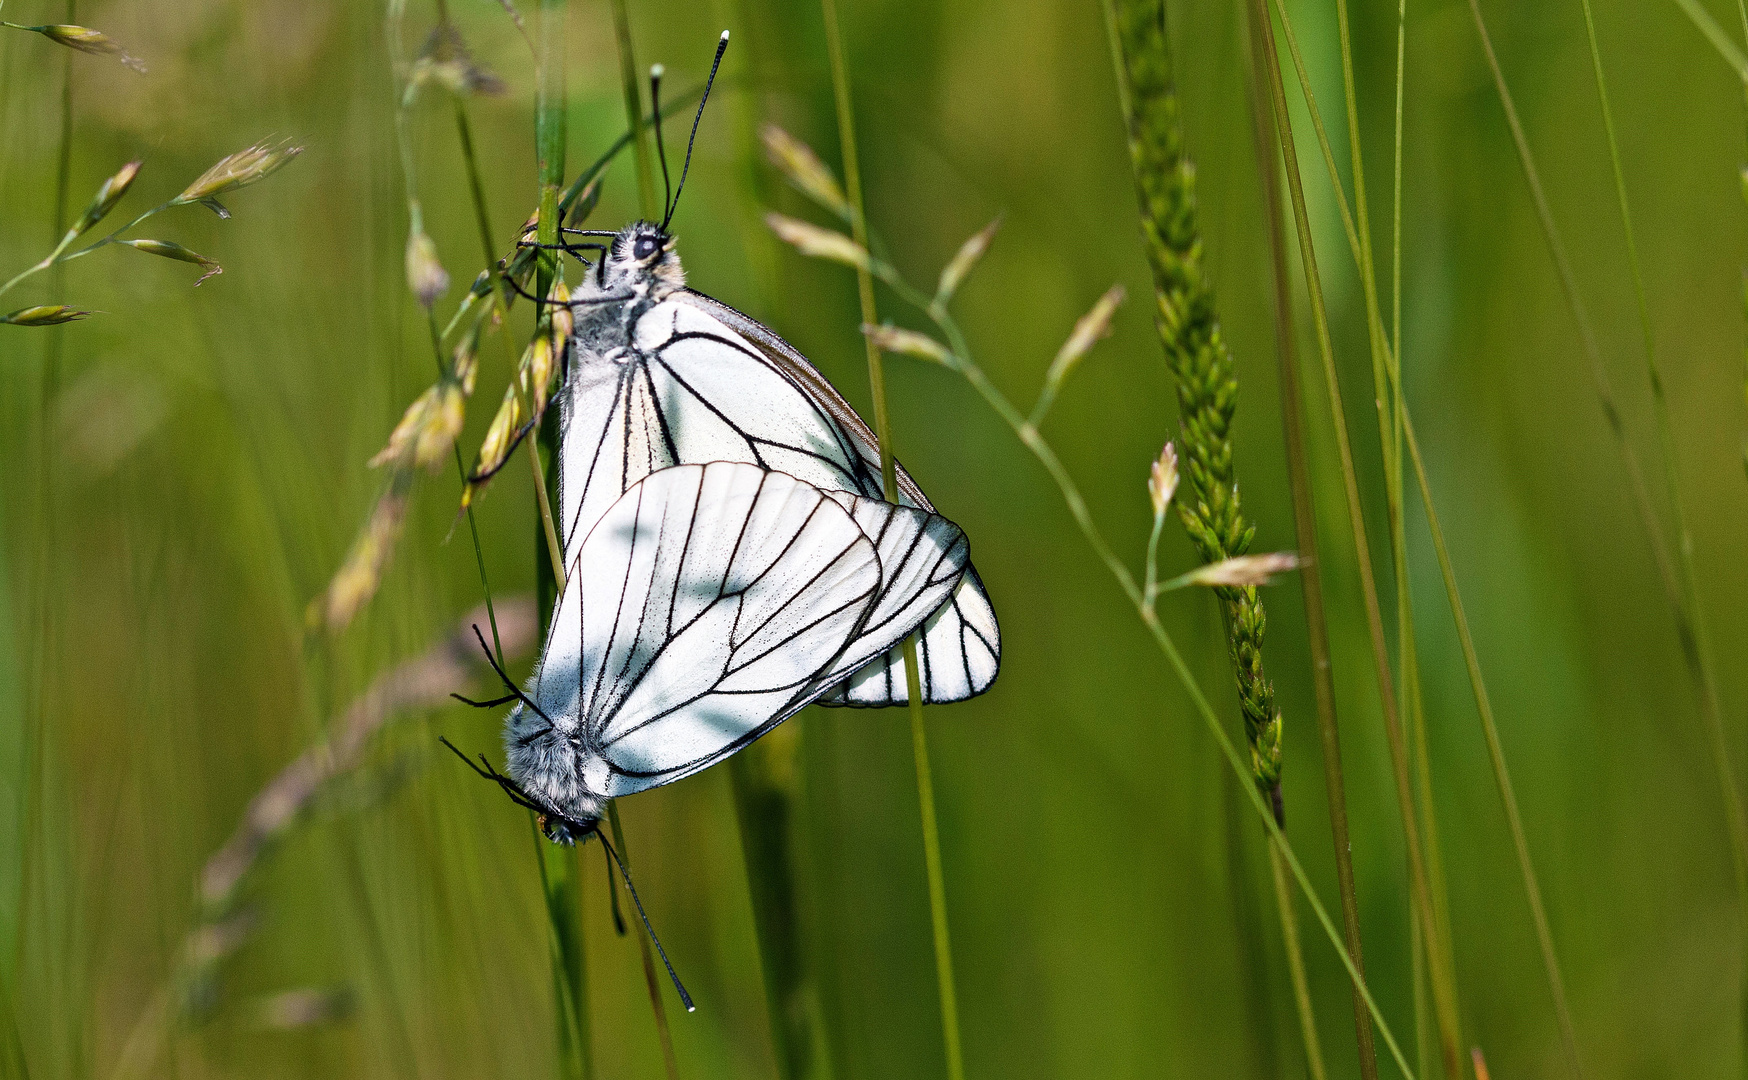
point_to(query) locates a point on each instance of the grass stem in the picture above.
(1698, 645)
(1207, 393)
(629, 78)
(959, 359)
(1305, 526)
(949, 1000)
(1443, 982)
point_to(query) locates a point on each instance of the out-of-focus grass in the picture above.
(210, 474)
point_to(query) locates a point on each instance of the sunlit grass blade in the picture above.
(846, 116)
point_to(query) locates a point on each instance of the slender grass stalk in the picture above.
(1502, 778)
(1697, 627)
(1296, 968)
(42, 615)
(1207, 383)
(1708, 26)
(1496, 755)
(560, 877)
(949, 998)
(958, 357)
(1407, 654)
(33, 826)
(1356, 520)
(1736, 820)
(629, 78)
(628, 74)
(1440, 961)
(649, 974)
(1305, 527)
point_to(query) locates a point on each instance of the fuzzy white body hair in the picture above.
(548, 761)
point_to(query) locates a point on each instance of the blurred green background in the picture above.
(1111, 915)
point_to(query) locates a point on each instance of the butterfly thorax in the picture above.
(545, 760)
(638, 270)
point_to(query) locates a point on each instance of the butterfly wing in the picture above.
(705, 383)
(959, 652)
(711, 602)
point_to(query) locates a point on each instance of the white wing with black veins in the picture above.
(705, 383)
(711, 602)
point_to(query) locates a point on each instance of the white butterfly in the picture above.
(662, 375)
(729, 555)
(708, 604)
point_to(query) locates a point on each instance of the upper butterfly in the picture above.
(729, 555)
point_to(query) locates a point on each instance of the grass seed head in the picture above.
(466, 367)
(442, 426)
(446, 61)
(169, 250)
(425, 274)
(239, 170)
(1241, 571)
(803, 168)
(560, 313)
(896, 339)
(538, 371)
(87, 40)
(360, 575)
(954, 273)
(1093, 326)
(44, 315)
(1162, 479)
(818, 243)
(499, 441)
(108, 194)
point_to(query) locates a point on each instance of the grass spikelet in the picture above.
(508, 427)
(44, 315)
(896, 339)
(1243, 571)
(446, 61)
(84, 39)
(361, 574)
(108, 194)
(803, 169)
(426, 278)
(247, 166)
(1091, 328)
(818, 243)
(1162, 478)
(962, 262)
(168, 249)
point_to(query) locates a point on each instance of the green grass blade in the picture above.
(949, 997)
(1305, 524)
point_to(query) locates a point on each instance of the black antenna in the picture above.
(685, 998)
(655, 100)
(613, 893)
(668, 215)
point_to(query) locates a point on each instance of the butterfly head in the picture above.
(640, 261)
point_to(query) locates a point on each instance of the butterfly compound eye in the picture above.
(645, 247)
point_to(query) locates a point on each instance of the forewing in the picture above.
(709, 600)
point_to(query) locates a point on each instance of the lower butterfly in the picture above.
(707, 605)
